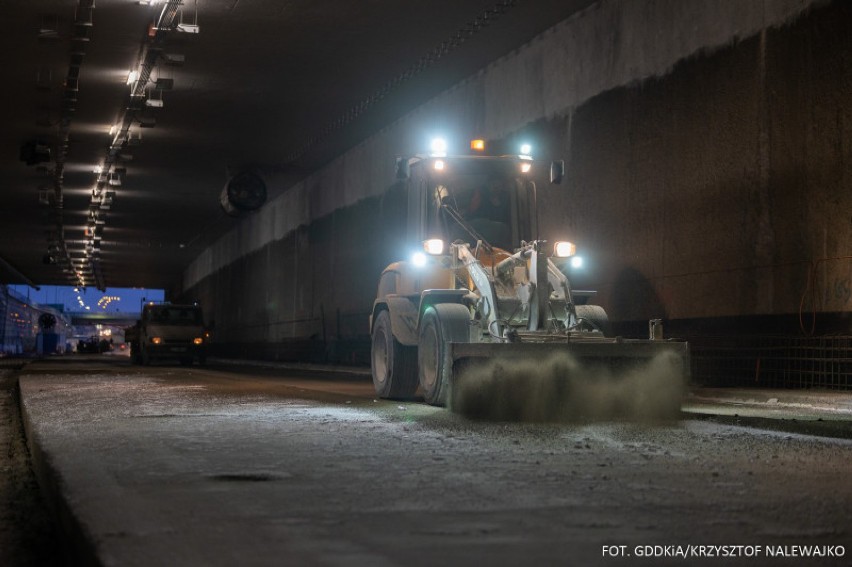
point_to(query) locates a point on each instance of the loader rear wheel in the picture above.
(441, 325)
(394, 365)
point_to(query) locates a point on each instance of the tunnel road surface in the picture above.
(166, 465)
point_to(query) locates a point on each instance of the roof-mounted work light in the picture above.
(438, 147)
(564, 249)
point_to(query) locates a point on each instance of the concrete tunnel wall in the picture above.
(708, 177)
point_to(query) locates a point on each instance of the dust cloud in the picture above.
(563, 389)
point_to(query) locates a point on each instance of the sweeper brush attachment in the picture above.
(628, 380)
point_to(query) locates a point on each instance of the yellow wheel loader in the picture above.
(479, 284)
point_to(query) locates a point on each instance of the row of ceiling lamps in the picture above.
(36, 152)
(122, 135)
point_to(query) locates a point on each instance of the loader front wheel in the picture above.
(441, 325)
(393, 364)
(595, 317)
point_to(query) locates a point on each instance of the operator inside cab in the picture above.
(488, 212)
(484, 206)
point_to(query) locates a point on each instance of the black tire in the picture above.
(441, 325)
(595, 317)
(144, 356)
(394, 366)
(135, 357)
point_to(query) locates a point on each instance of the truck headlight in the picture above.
(156, 340)
(197, 341)
(564, 249)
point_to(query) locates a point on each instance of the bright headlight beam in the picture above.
(438, 147)
(434, 246)
(564, 249)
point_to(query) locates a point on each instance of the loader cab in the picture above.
(471, 198)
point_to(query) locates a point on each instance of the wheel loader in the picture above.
(479, 284)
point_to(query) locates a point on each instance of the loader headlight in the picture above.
(434, 246)
(526, 166)
(526, 150)
(438, 147)
(419, 259)
(577, 262)
(156, 340)
(564, 249)
(197, 340)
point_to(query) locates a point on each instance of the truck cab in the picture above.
(168, 331)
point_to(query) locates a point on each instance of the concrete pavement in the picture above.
(63, 400)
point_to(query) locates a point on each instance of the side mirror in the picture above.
(557, 171)
(403, 169)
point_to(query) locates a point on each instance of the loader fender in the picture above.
(430, 297)
(403, 316)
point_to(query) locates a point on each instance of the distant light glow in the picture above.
(115, 299)
(477, 145)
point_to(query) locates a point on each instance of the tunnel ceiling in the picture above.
(277, 86)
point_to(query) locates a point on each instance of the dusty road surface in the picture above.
(185, 466)
(27, 534)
